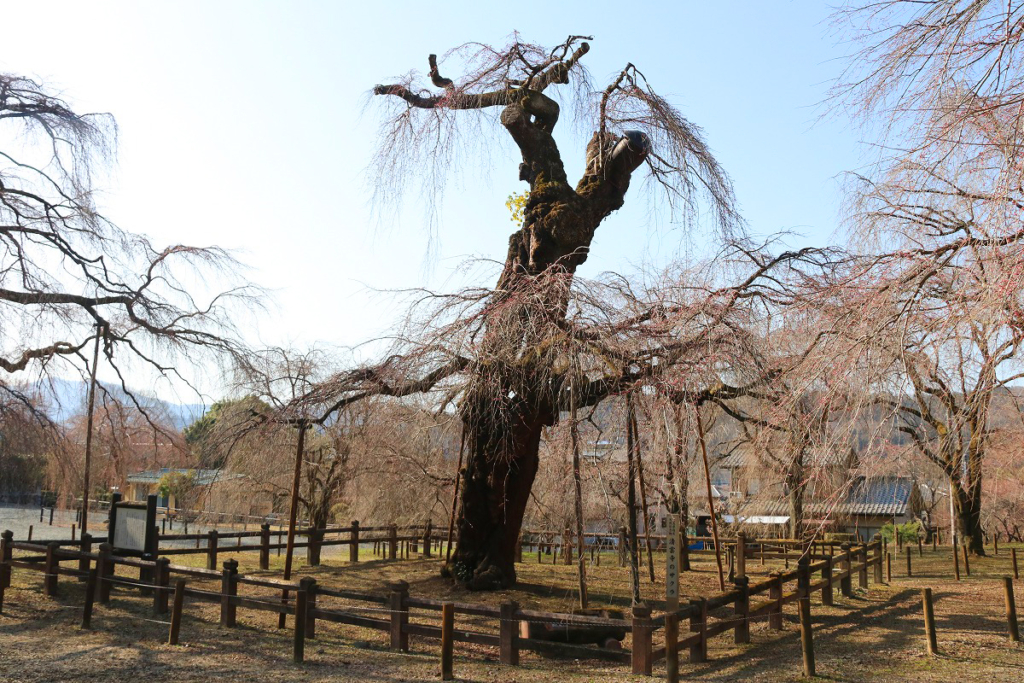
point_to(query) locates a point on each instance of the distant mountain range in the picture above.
(66, 398)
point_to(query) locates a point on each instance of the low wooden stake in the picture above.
(929, 621)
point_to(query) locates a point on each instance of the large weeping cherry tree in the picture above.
(516, 381)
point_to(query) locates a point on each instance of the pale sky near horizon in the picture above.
(249, 125)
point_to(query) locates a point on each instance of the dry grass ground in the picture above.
(875, 635)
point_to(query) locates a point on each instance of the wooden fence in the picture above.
(506, 627)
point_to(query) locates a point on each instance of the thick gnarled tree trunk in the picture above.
(516, 395)
(515, 384)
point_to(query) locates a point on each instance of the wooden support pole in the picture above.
(1013, 562)
(176, 607)
(910, 571)
(293, 513)
(967, 560)
(956, 560)
(1011, 610)
(447, 640)
(929, 621)
(393, 542)
(806, 635)
(888, 567)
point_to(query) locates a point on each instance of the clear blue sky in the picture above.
(244, 124)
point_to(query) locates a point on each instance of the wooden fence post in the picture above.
(428, 528)
(741, 554)
(508, 634)
(775, 595)
(878, 558)
(888, 566)
(399, 615)
(309, 585)
(845, 585)
(862, 575)
(161, 581)
(929, 621)
(806, 635)
(353, 546)
(908, 554)
(176, 607)
(393, 542)
(299, 648)
(643, 629)
(228, 590)
(85, 545)
(264, 546)
(211, 550)
(90, 596)
(826, 578)
(6, 552)
(447, 640)
(741, 634)
(956, 560)
(699, 624)
(967, 560)
(1011, 609)
(803, 576)
(50, 569)
(105, 567)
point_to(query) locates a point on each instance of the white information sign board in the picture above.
(130, 528)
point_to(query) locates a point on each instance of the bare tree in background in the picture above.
(67, 274)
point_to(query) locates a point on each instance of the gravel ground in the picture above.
(875, 635)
